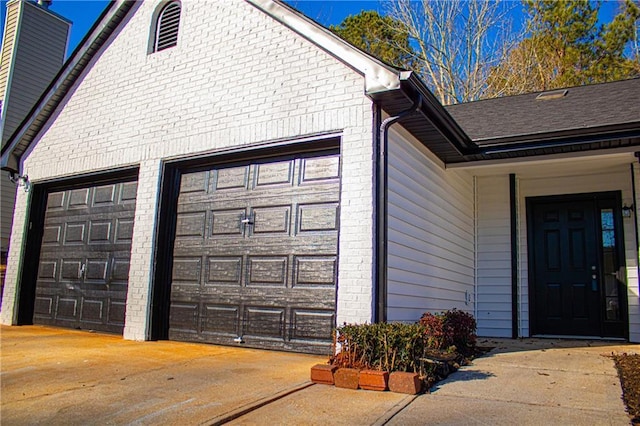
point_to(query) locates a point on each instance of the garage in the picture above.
(255, 253)
(85, 251)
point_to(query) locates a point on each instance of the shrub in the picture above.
(382, 346)
(407, 347)
(453, 331)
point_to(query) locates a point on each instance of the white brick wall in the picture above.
(8, 313)
(236, 78)
(143, 240)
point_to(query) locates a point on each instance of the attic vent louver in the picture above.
(167, 27)
(554, 94)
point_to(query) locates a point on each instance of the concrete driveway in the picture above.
(57, 376)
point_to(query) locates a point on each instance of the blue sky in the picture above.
(83, 13)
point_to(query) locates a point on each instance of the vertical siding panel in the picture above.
(494, 257)
(430, 244)
(11, 25)
(36, 60)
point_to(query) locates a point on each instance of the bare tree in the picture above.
(457, 42)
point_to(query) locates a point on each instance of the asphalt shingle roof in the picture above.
(582, 108)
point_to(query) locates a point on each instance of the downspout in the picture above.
(635, 217)
(515, 273)
(382, 208)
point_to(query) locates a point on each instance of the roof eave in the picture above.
(437, 114)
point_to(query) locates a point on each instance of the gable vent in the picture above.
(554, 94)
(167, 27)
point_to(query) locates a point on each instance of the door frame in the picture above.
(613, 197)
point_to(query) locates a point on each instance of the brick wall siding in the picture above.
(236, 78)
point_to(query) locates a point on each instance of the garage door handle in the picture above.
(246, 220)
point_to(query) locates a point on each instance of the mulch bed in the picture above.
(628, 366)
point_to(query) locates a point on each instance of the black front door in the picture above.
(576, 281)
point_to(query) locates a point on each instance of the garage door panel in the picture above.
(274, 173)
(267, 271)
(47, 270)
(264, 264)
(312, 324)
(100, 232)
(194, 182)
(97, 271)
(230, 178)
(117, 310)
(79, 198)
(75, 233)
(67, 308)
(220, 320)
(92, 311)
(52, 235)
(191, 224)
(128, 193)
(44, 306)
(124, 230)
(271, 220)
(120, 270)
(320, 169)
(187, 269)
(227, 222)
(84, 257)
(105, 195)
(262, 321)
(184, 318)
(317, 217)
(55, 201)
(311, 271)
(71, 269)
(224, 271)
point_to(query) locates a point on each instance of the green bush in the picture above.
(381, 346)
(404, 347)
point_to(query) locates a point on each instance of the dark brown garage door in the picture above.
(255, 256)
(84, 257)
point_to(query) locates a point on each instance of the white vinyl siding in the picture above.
(9, 37)
(494, 257)
(38, 52)
(430, 242)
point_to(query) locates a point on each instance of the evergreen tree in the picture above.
(567, 47)
(380, 36)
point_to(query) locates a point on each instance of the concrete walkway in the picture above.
(56, 376)
(528, 382)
